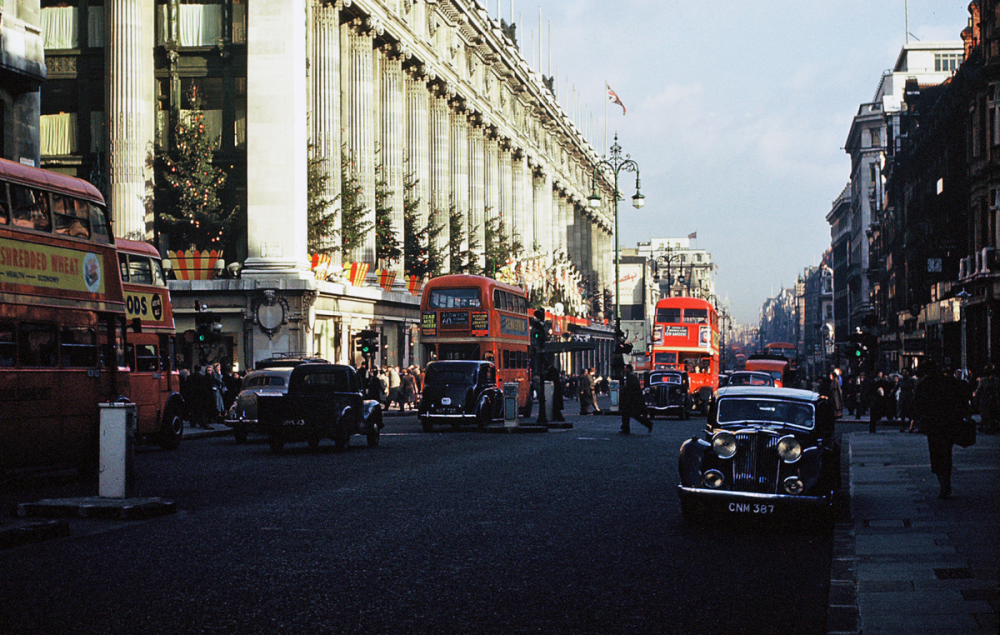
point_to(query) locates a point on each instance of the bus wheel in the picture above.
(171, 429)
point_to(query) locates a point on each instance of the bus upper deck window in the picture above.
(695, 316)
(29, 209)
(67, 217)
(99, 224)
(4, 206)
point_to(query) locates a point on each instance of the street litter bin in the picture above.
(117, 450)
(613, 392)
(549, 392)
(510, 395)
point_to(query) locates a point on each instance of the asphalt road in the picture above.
(570, 531)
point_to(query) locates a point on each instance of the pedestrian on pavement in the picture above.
(988, 399)
(409, 390)
(830, 388)
(395, 387)
(879, 396)
(938, 407)
(588, 396)
(632, 405)
(904, 401)
(557, 394)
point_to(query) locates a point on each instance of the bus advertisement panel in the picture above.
(62, 318)
(154, 381)
(686, 337)
(474, 317)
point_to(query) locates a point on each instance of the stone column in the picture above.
(362, 131)
(460, 173)
(517, 199)
(507, 191)
(277, 148)
(130, 107)
(440, 162)
(324, 91)
(477, 189)
(393, 139)
(418, 141)
(492, 175)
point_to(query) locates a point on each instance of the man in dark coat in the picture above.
(631, 403)
(939, 404)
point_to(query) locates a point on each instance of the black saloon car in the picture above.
(766, 451)
(457, 392)
(668, 392)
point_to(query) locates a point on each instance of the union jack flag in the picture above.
(613, 98)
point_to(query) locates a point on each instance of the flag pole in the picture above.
(606, 89)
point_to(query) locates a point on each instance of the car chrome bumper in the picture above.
(721, 497)
(462, 415)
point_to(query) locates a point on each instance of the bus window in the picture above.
(4, 207)
(665, 358)
(146, 358)
(67, 221)
(28, 209)
(668, 315)
(695, 316)
(37, 345)
(139, 270)
(78, 348)
(98, 223)
(8, 345)
(454, 299)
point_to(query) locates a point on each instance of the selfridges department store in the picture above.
(436, 92)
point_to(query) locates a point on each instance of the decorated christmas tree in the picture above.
(499, 247)
(387, 247)
(460, 260)
(322, 236)
(194, 215)
(353, 225)
(421, 256)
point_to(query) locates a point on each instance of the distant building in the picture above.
(679, 268)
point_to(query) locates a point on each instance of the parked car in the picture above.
(457, 392)
(750, 378)
(242, 415)
(766, 451)
(668, 392)
(323, 401)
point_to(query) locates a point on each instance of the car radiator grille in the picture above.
(755, 466)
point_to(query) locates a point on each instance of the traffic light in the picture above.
(368, 342)
(539, 330)
(208, 325)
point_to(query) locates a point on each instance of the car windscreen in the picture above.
(749, 380)
(665, 379)
(764, 410)
(450, 375)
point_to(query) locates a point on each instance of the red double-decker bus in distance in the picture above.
(154, 381)
(686, 337)
(62, 318)
(474, 317)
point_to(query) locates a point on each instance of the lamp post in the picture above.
(616, 163)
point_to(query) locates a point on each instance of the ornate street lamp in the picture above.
(616, 163)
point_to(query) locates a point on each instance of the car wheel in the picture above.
(426, 425)
(685, 414)
(276, 442)
(373, 436)
(484, 414)
(341, 438)
(240, 433)
(171, 429)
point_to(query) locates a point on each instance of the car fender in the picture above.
(689, 464)
(810, 466)
(372, 410)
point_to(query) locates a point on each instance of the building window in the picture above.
(60, 27)
(946, 62)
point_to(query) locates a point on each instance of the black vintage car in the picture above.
(457, 392)
(668, 392)
(323, 401)
(766, 451)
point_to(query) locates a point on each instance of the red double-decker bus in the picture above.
(686, 337)
(62, 318)
(474, 317)
(154, 381)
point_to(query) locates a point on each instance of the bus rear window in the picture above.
(454, 299)
(696, 316)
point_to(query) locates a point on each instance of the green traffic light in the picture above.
(857, 353)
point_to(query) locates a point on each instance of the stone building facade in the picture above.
(431, 90)
(22, 72)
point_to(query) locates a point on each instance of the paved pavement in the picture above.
(906, 562)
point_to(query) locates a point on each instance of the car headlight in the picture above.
(724, 444)
(713, 479)
(793, 485)
(789, 449)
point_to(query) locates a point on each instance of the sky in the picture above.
(737, 113)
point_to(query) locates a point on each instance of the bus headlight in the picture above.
(724, 444)
(789, 449)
